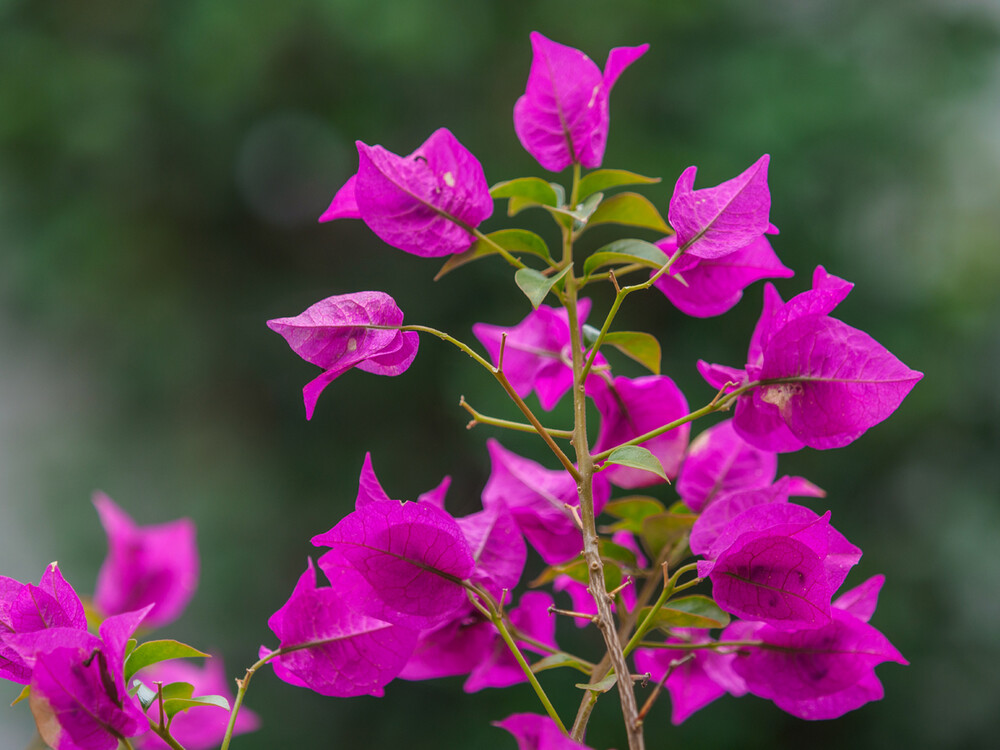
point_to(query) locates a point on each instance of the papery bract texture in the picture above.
(834, 382)
(455, 647)
(426, 203)
(630, 407)
(719, 461)
(537, 498)
(535, 732)
(401, 563)
(537, 354)
(815, 674)
(713, 222)
(334, 334)
(564, 113)
(145, 565)
(27, 608)
(500, 669)
(706, 287)
(200, 727)
(338, 651)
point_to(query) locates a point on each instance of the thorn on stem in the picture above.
(722, 392)
(627, 582)
(553, 610)
(503, 346)
(614, 281)
(575, 512)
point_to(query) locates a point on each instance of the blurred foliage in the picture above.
(161, 168)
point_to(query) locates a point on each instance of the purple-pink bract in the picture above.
(426, 203)
(337, 334)
(155, 565)
(564, 113)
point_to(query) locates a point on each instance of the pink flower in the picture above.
(337, 334)
(564, 113)
(425, 203)
(145, 565)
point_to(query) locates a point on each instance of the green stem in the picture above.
(241, 690)
(669, 588)
(502, 379)
(479, 418)
(585, 485)
(164, 734)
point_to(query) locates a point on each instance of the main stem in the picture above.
(585, 487)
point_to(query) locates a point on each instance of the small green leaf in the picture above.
(602, 686)
(575, 569)
(560, 192)
(535, 284)
(625, 251)
(631, 511)
(586, 209)
(534, 189)
(616, 553)
(153, 652)
(603, 179)
(631, 209)
(130, 647)
(144, 694)
(512, 240)
(182, 690)
(642, 347)
(690, 612)
(554, 661)
(665, 529)
(25, 692)
(637, 457)
(176, 705)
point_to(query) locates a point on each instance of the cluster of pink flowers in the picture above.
(405, 576)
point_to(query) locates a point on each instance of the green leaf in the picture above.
(575, 569)
(602, 686)
(153, 652)
(512, 240)
(690, 612)
(174, 690)
(144, 694)
(535, 284)
(554, 661)
(665, 529)
(603, 179)
(625, 251)
(176, 705)
(616, 553)
(637, 457)
(130, 647)
(631, 209)
(631, 511)
(25, 692)
(534, 189)
(585, 210)
(642, 347)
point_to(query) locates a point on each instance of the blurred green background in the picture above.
(162, 166)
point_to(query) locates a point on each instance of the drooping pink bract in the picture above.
(398, 562)
(706, 287)
(537, 498)
(336, 334)
(426, 203)
(155, 565)
(564, 113)
(630, 407)
(819, 673)
(337, 651)
(713, 222)
(200, 727)
(453, 648)
(536, 732)
(536, 355)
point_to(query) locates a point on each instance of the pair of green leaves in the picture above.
(177, 696)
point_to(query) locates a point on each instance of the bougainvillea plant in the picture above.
(413, 592)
